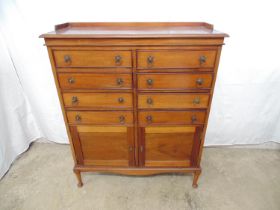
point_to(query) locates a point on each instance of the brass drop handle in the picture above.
(194, 119)
(78, 118)
(118, 59)
(202, 59)
(120, 99)
(141, 148)
(199, 81)
(150, 60)
(122, 119)
(119, 81)
(130, 148)
(75, 99)
(67, 59)
(149, 118)
(196, 100)
(149, 100)
(150, 82)
(71, 80)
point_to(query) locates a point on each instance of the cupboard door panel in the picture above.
(168, 146)
(106, 146)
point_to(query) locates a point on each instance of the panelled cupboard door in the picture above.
(174, 146)
(103, 145)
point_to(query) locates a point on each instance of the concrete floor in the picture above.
(232, 179)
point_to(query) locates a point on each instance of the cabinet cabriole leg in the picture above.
(195, 178)
(79, 177)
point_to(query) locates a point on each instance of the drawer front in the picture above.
(94, 81)
(151, 118)
(100, 117)
(176, 59)
(98, 100)
(172, 101)
(91, 58)
(174, 81)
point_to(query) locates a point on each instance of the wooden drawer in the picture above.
(100, 117)
(172, 100)
(174, 81)
(171, 117)
(92, 58)
(98, 100)
(176, 59)
(94, 81)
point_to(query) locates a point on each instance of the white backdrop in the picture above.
(246, 104)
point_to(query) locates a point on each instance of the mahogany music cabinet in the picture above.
(135, 96)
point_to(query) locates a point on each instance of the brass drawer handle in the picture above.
(118, 59)
(122, 119)
(150, 60)
(199, 81)
(78, 118)
(193, 119)
(71, 80)
(67, 59)
(120, 99)
(74, 99)
(202, 59)
(119, 81)
(150, 82)
(149, 100)
(149, 119)
(196, 100)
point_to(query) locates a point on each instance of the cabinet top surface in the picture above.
(134, 30)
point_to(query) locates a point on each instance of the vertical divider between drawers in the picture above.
(135, 108)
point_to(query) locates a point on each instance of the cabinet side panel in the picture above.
(219, 49)
(61, 102)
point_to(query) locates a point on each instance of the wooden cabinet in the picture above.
(135, 97)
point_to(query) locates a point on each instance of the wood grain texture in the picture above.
(99, 100)
(150, 118)
(94, 81)
(100, 117)
(79, 58)
(140, 43)
(174, 81)
(168, 146)
(172, 101)
(134, 29)
(175, 59)
(105, 146)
